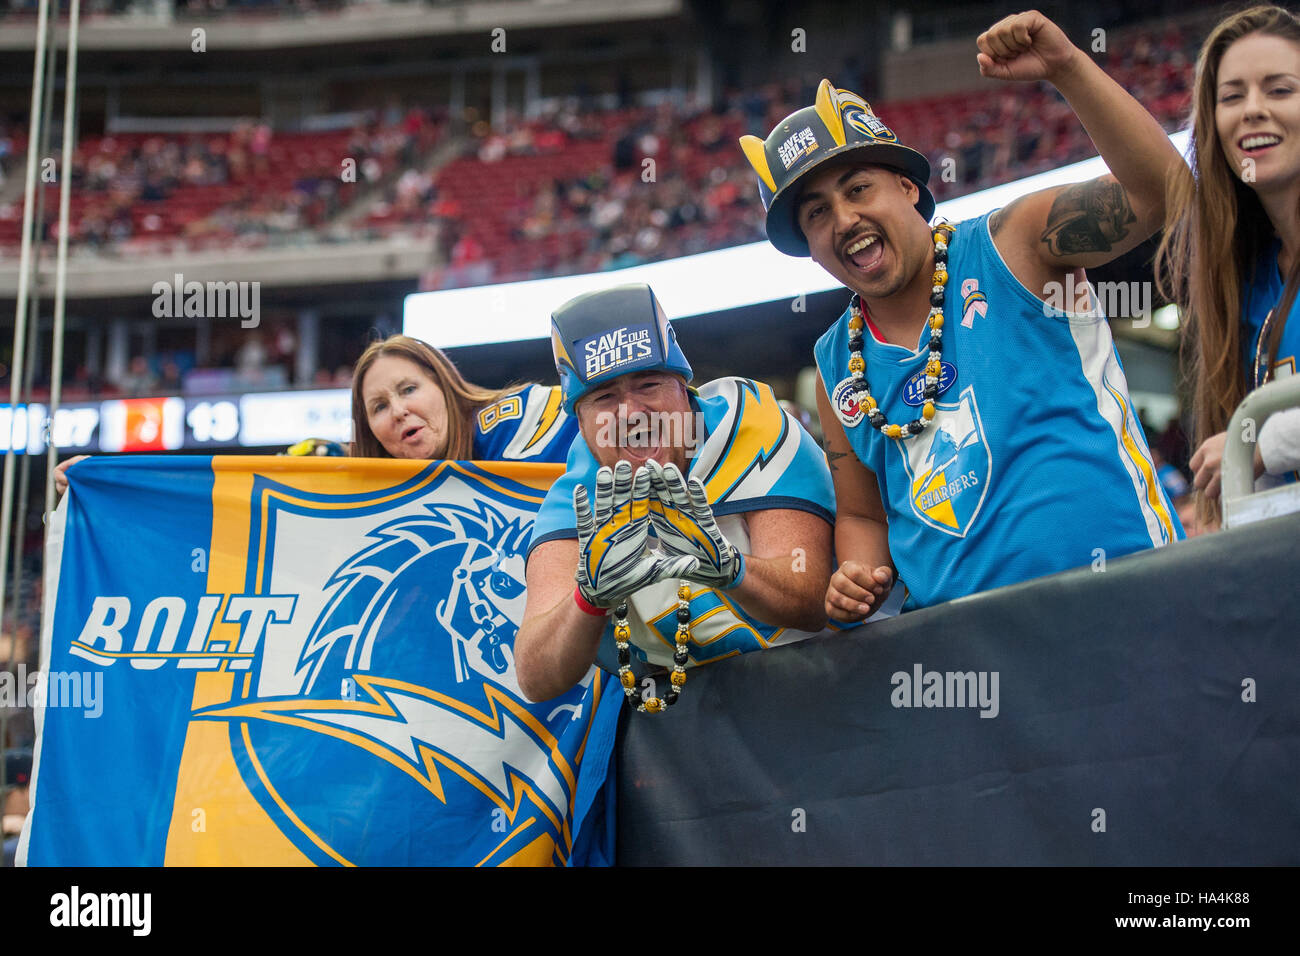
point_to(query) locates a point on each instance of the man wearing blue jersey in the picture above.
(700, 512)
(977, 436)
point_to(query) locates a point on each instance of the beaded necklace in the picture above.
(933, 367)
(622, 632)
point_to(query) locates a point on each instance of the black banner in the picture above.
(1145, 711)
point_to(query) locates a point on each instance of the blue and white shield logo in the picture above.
(949, 467)
(394, 686)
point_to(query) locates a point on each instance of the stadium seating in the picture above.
(991, 136)
(558, 194)
(171, 192)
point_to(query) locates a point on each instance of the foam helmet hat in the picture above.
(840, 126)
(599, 336)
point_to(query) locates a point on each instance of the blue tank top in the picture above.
(1261, 296)
(1035, 461)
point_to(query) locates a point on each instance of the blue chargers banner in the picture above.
(305, 662)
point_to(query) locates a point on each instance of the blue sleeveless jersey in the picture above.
(1262, 295)
(527, 425)
(1035, 461)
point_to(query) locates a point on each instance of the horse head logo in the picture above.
(457, 568)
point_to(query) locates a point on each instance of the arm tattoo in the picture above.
(831, 454)
(1088, 217)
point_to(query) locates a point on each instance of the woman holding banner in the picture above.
(404, 599)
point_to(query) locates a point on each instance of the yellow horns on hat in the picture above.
(828, 108)
(756, 153)
(829, 103)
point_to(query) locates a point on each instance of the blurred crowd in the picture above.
(236, 189)
(1017, 132)
(658, 183)
(670, 180)
(207, 8)
(573, 189)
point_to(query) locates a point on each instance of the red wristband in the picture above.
(586, 607)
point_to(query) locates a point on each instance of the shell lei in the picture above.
(677, 676)
(933, 367)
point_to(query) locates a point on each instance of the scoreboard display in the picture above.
(177, 423)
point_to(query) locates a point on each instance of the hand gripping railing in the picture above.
(1240, 503)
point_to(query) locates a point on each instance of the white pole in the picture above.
(20, 314)
(61, 264)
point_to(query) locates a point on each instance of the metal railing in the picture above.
(1240, 501)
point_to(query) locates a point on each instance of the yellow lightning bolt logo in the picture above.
(401, 723)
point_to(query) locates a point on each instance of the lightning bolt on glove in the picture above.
(684, 523)
(614, 556)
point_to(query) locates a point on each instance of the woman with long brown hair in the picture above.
(1230, 257)
(410, 401)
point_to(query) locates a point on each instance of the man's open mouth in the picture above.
(639, 438)
(865, 251)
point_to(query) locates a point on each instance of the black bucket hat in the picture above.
(839, 125)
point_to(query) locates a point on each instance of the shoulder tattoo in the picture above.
(1088, 217)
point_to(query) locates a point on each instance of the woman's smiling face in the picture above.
(1257, 110)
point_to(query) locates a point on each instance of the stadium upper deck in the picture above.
(281, 24)
(443, 166)
(564, 191)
